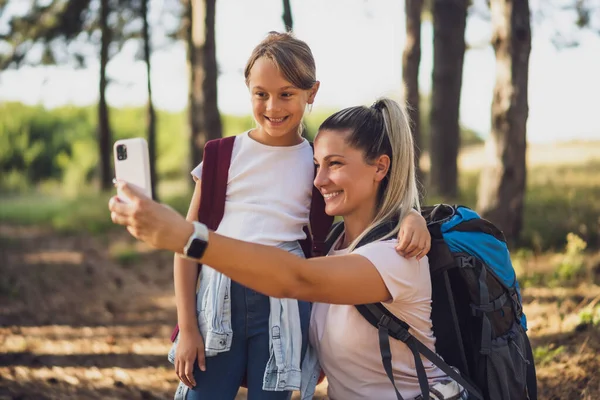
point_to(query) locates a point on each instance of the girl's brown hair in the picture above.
(292, 56)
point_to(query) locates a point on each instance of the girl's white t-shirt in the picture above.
(348, 346)
(268, 191)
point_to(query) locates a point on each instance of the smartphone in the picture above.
(132, 164)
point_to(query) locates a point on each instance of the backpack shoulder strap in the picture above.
(215, 174)
(387, 324)
(334, 234)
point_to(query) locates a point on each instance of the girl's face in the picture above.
(348, 183)
(277, 105)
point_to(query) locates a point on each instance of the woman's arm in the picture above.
(349, 279)
(185, 276)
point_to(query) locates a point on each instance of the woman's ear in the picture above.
(382, 164)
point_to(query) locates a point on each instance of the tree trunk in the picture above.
(287, 16)
(411, 59)
(204, 117)
(502, 183)
(104, 134)
(449, 21)
(151, 115)
(214, 128)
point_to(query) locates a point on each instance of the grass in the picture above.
(561, 198)
(67, 215)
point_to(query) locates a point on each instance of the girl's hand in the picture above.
(156, 224)
(189, 349)
(414, 239)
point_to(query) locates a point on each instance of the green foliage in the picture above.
(34, 141)
(572, 265)
(546, 354)
(590, 316)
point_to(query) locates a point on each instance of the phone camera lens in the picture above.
(121, 152)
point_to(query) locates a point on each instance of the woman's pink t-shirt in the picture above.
(348, 345)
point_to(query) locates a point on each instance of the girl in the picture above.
(245, 334)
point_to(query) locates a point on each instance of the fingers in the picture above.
(119, 211)
(404, 240)
(184, 369)
(189, 374)
(132, 192)
(415, 247)
(201, 359)
(426, 247)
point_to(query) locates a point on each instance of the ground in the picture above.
(88, 317)
(83, 318)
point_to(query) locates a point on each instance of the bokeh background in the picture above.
(503, 96)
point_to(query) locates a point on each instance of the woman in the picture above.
(366, 174)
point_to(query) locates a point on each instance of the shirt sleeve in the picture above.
(197, 172)
(404, 278)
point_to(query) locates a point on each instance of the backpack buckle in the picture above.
(395, 330)
(466, 261)
(384, 321)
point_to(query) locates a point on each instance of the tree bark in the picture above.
(151, 114)
(449, 21)
(411, 60)
(503, 180)
(104, 134)
(287, 16)
(204, 117)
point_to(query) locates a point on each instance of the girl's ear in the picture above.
(313, 92)
(382, 164)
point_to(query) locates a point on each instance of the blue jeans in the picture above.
(248, 355)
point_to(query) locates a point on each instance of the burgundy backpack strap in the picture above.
(213, 186)
(320, 223)
(215, 174)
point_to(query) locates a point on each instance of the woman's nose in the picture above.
(321, 178)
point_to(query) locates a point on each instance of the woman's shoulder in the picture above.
(402, 275)
(383, 253)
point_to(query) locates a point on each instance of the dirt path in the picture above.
(84, 318)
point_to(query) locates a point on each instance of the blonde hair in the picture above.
(383, 128)
(292, 57)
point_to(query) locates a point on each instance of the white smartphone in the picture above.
(132, 164)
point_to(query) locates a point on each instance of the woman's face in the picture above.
(348, 183)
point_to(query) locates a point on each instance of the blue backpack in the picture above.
(476, 311)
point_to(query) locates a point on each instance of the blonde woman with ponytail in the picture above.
(366, 174)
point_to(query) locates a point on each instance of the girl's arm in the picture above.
(414, 239)
(185, 276)
(349, 279)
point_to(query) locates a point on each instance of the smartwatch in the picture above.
(196, 244)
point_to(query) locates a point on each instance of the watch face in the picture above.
(196, 249)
